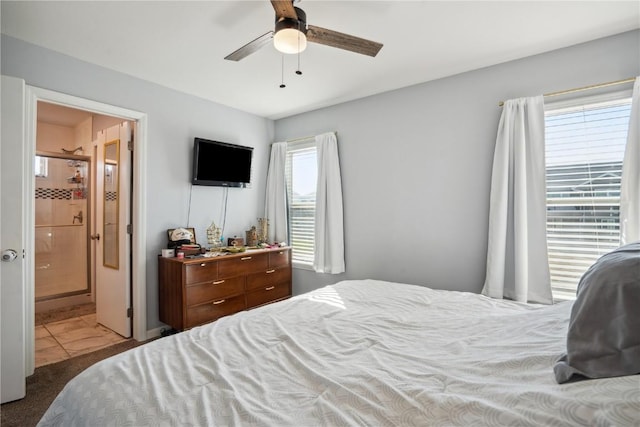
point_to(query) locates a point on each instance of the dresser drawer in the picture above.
(201, 272)
(213, 289)
(242, 265)
(267, 294)
(279, 259)
(208, 312)
(268, 277)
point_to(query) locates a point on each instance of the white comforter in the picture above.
(355, 353)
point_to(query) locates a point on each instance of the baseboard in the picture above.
(155, 333)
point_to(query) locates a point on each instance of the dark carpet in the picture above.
(47, 381)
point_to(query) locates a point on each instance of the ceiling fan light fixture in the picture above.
(290, 40)
(290, 34)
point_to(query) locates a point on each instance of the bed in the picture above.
(362, 352)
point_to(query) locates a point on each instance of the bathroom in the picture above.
(66, 236)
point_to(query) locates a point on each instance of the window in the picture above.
(301, 171)
(41, 167)
(584, 152)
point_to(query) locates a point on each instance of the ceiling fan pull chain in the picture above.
(298, 72)
(282, 85)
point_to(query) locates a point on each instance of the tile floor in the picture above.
(57, 341)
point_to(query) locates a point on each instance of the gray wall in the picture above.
(416, 163)
(174, 120)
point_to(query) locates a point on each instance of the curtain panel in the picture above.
(517, 260)
(630, 184)
(276, 208)
(329, 231)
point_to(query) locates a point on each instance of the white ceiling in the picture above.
(181, 45)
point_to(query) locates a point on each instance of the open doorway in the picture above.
(137, 310)
(19, 108)
(82, 168)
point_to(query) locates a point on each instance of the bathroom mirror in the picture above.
(111, 204)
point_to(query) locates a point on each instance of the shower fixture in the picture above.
(78, 217)
(71, 151)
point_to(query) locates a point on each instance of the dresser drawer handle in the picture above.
(217, 282)
(270, 271)
(245, 258)
(270, 288)
(281, 253)
(218, 302)
(203, 265)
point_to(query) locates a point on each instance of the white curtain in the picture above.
(276, 209)
(329, 232)
(517, 260)
(630, 185)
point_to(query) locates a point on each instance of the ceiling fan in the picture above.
(292, 33)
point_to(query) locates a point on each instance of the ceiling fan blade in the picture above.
(342, 41)
(284, 8)
(250, 47)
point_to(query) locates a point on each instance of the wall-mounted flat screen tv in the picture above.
(221, 164)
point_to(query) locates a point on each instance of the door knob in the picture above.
(9, 255)
(95, 236)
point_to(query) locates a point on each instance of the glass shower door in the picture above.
(61, 231)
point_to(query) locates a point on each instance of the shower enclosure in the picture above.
(62, 205)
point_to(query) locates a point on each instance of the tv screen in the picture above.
(221, 164)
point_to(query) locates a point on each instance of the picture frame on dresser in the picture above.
(189, 229)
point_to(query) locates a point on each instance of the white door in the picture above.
(112, 213)
(12, 241)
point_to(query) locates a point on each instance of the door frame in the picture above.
(139, 213)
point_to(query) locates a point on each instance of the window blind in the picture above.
(584, 152)
(301, 174)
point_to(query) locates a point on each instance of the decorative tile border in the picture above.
(54, 193)
(61, 193)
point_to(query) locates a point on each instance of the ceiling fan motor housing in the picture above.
(299, 24)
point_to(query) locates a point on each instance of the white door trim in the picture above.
(139, 251)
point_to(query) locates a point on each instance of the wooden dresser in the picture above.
(199, 290)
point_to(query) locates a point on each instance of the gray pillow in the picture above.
(604, 330)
